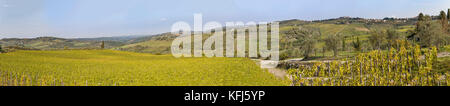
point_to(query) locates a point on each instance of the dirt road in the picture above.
(279, 73)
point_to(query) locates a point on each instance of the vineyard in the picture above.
(406, 65)
(403, 66)
(116, 68)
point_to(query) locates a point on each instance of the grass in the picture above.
(152, 46)
(406, 28)
(442, 65)
(117, 68)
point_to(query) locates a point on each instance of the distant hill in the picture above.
(118, 38)
(348, 26)
(53, 43)
(160, 43)
(157, 44)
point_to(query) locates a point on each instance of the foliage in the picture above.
(444, 21)
(448, 14)
(376, 39)
(357, 44)
(343, 44)
(305, 39)
(429, 33)
(332, 43)
(392, 36)
(376, 68)
(102, 45)
(442, 65)
(284, 55)
(1, 49)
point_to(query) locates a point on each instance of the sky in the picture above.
(105, 18)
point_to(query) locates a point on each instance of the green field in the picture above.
(117, 68)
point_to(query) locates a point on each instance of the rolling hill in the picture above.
(160, 43)
(349, 27)
(53, 43)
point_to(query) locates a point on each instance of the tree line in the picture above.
(431, 33)
(427, 33)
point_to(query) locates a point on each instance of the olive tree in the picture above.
(304, 38)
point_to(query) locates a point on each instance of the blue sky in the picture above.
(98, 18)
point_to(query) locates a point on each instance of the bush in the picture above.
(284, 56)
(1, 50)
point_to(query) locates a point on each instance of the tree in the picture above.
(423, 31)
(448, 14)
(343, 44)
(20, 44)
(356, 44)
(420, 18)
(444, 21)
(430, 33)
(323, 51)
(376, 39)
(448, 19)
(102, 46)
(1, 50)
(315, 51)
(332, 43)
(305, 38)
(438, 37)
(391, 37)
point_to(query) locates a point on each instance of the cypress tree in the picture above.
(444, 21)
(448, 19)
(448, 14)
(343, 44)
(1, 50)
(323, 52)
(356, 45)
(420, 18)
(102, 45)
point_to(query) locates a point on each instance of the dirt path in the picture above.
(439, 55)
(443, 54)
(279, 73)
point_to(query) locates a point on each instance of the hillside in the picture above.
(160, 43)
(349, 27)
(124, 39)
(53, 43)
(157, 44)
